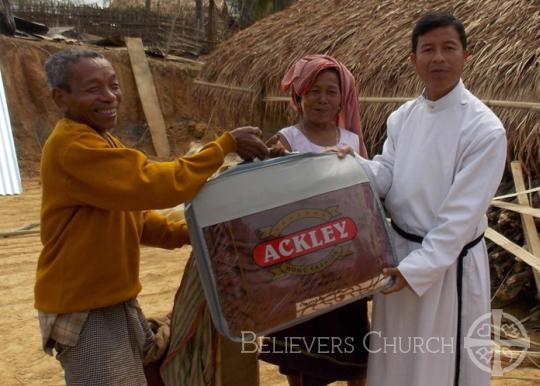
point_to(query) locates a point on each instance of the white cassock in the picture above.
(440, 167)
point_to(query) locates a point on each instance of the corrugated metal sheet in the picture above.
(10, 178)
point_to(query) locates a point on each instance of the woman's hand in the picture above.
(276, 147)
(399, 280)
(341, 151)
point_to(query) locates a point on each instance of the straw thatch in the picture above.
(372, 38)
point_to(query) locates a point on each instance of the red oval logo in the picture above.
(306, 241)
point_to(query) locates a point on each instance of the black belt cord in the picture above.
(459, 284)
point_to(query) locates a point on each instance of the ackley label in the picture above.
(328, 234)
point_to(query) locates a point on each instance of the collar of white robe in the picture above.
(453, 98)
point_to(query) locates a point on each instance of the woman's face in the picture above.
(322, 102)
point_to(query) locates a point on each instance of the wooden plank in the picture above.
(148, 96)
(531, 234)
(528, 379)
(516, 208)
(513, 248)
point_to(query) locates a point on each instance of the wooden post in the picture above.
(529, 228)
(199, 14)
(211, 27)
(235, 368)
(148, 96)
(7, 23)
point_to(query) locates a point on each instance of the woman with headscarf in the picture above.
(323, 95)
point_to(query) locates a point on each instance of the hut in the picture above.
(240, 81)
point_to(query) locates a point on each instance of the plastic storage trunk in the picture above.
(278, 242)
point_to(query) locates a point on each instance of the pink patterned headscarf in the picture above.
(300, 77)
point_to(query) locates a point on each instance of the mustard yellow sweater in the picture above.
(95, 213)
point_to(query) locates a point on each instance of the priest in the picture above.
(439, 169)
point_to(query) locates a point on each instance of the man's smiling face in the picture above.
(93, 94)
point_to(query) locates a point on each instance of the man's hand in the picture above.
(249, 144)
(399, 280)
(340, 151)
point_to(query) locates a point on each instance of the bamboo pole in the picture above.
(270, 99)
(367, 99)
(529, 227)
(7, 234)
(175, 58)
(275, 98)
(223, 86)
(384, 99)
(25, 230)
(517, 194)
(512, 104)
(516, 208)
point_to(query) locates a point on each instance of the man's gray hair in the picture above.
(57, 66)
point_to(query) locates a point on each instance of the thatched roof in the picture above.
(372, 37)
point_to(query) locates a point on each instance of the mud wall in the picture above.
(33, 113)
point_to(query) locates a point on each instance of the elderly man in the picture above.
(96, 211)
(440, 167)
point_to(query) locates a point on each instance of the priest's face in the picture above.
(439, 60)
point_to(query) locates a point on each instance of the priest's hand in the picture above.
(341, 151)
(399, 280)
(249, 144)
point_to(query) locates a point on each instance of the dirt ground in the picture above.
(21, 360)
